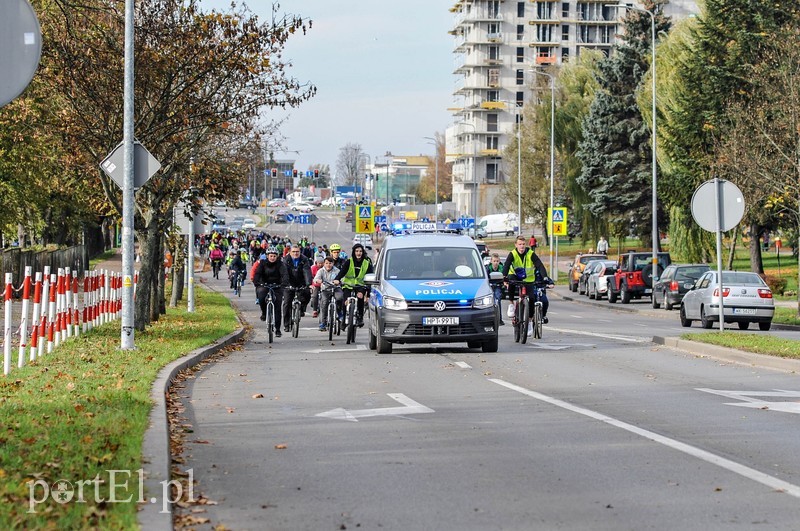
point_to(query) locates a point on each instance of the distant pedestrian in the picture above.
(532, 243)
(602, 246)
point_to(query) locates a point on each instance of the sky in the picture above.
(383, 71)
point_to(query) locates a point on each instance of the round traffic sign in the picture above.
(20, 48)
(731, 205)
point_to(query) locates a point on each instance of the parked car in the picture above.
(363, 239)
(313, 200)
(278, 203)
(674, 282)
(591, 267)
(597, 285)
(746, 299)
(634, 276)
(280, 216)
(577, 266)
(249, 224)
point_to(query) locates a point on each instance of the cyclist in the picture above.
(529, 269)
(336, 254)
(495, 267)
(316, 266)
(271, 271)
(299, 271)
(215, 256)
(351, 275)
(327, 273)
(236, 267)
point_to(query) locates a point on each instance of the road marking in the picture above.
(595, 334)
(410, 407)
(708, 457)
(558, 346)
(462, 364)
(354, 348)
(576, 316)
(747, 401)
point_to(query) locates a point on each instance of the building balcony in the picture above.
(546, 60)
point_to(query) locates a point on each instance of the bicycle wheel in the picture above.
(295, 318)
(351, 323)
(516, 326)
(270, 321)
(239, 285)
(526, 317)
(537, 321)
(331, 318)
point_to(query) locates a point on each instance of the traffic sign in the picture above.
(306, 219)
(731, 205)
(557, 217)
(364, 220)
(467, 223)
(380, 219)
(290, 218)
(20, 48)
(145, 165)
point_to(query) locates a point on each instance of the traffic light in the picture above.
(294, 174)
(316, 174)
(274, 172)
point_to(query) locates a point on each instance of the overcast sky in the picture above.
(383, 71)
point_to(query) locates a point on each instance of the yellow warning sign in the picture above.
(364, 220)
(365, 226)
(557, 217)
(127, 282)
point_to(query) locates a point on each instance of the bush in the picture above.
(776, 284)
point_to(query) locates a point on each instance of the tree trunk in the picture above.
(756, 264)
(148, 268)
(733, 248)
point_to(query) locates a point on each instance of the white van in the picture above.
(497, 225)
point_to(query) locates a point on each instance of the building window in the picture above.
(520, 54)
(492, 142)
(565, 9)
(520, 9)
(520, 98)
(494, 8)
(491, 122)
(520, 31)
(564, 55)
(520, 77)
(564, 32)
(491, 172)
(544, 10)
(494, 53)
(493, 77)
(492, 95)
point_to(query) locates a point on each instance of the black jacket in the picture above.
(271, 273)
(300, 275)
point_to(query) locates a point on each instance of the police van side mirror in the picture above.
(371, 279)
(496, 275)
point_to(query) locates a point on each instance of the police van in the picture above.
(431, 287)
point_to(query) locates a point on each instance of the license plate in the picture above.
(744, 311)
(648, 291)
(439, 321)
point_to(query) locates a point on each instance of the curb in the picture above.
(741, 357)
(156, 457)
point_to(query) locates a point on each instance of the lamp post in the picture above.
(436, 185)
(389, 160)
(552, 161)
(655, 174)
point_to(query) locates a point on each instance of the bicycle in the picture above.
(216, 265)
(270, 309)
(330, 311)
(350, 306)
(297, 309)
(238, 283)
(523, 314)
(538, 311)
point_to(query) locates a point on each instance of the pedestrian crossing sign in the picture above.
(365, 224)
(557, 217)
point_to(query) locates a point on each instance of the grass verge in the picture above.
(786, 316)
(82, 411)
(759, 343)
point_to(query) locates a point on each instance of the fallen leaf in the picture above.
(230, 409)
(201, 441)
(258, 395)
(280, 447)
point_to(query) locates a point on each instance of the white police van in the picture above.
(431, 287)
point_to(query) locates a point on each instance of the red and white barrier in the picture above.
(7, 293)
(23, 325)
(43, 312)
(37, 305)
(51, 312)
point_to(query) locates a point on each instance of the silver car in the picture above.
(746, 298)
(597, 284)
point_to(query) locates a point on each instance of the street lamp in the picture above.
(655, 174)
(436, 172)
(552, 160)
(389, 159)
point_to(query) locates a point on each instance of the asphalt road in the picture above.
(593, 427)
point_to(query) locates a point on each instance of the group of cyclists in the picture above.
(320, 273)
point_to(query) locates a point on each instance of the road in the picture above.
(593, 427)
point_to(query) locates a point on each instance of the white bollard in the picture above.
(43, 315)
(37, 309)
(51, 313)
(23, 325)
(7, 337)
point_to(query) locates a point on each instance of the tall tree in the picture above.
(616, 148)
(425, 189)
(350, 163)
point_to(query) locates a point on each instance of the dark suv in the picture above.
(634, 276)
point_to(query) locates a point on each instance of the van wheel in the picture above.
(383, 346)
(490, 346)
(373, 341)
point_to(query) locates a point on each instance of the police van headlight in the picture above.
(391, 303)
(483, 302)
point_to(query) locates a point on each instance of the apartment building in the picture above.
(497, 43)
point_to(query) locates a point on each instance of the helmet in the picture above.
(335, 247)
(262, 257)
(272, 250)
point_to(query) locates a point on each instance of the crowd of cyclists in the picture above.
(321, 272)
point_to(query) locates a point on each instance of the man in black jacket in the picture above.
(271, 271)
(298, 268)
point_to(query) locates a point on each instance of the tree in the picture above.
(425, 189)
(349, 164)
(324, 176)
(202, 80)
(616, 147)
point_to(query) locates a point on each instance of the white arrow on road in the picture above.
(409, 407)
(747, 401)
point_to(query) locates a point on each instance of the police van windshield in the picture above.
(432, 263)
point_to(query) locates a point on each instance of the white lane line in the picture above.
(727, 464)
(596, 334)
(320, 350)
(462, 364)
(576, 316)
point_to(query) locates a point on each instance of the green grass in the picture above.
(101, 258)
(83, 410)
(759, 343)
(786, 316)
